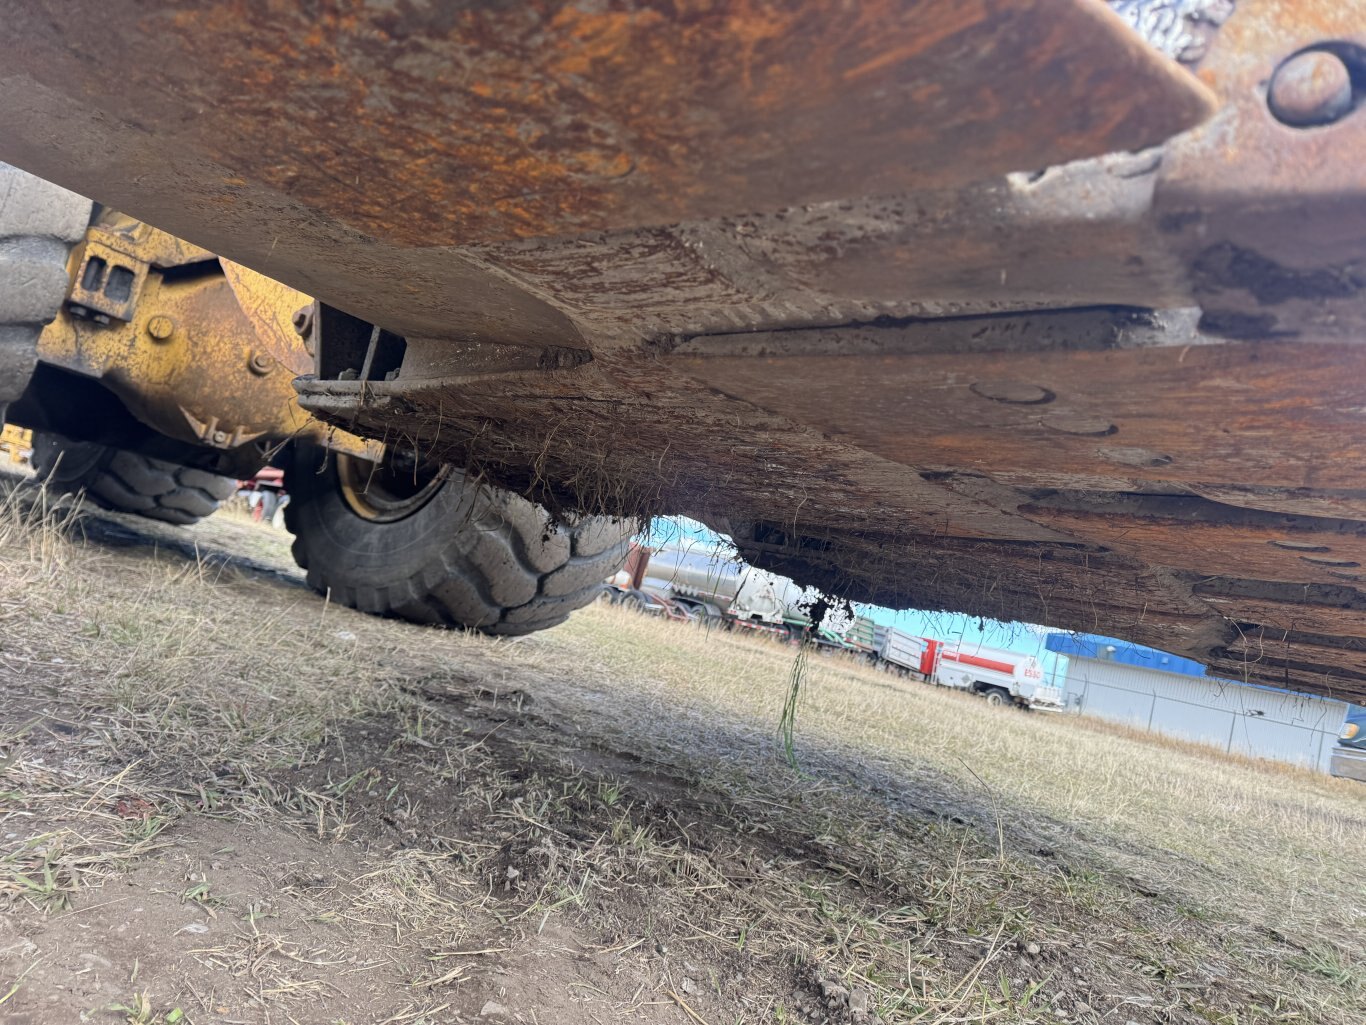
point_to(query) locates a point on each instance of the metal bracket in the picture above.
(106, 284)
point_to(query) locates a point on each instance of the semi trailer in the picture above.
(709, 582)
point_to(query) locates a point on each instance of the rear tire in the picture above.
(998, 697)
(447, 552)
(39, 223)
(124, 481)
(633, 600)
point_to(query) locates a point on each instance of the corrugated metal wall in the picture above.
(1256, 721)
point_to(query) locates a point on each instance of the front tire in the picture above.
(124, 481)
(439, 548)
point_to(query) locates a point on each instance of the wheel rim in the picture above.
(389, 492)
(994, 698)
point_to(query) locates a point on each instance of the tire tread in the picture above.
(128, 481)
(39, 222)
(498, 563)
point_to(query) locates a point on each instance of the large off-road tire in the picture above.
(39, 222)
(440, 549)
(128, 482)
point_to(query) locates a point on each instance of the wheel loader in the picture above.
(152, 393)
(1042, 310)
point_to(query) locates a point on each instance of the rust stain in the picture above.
(419, 126)
(929, 35)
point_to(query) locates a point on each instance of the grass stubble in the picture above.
(344, 819)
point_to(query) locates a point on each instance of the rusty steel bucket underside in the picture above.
(989, 307)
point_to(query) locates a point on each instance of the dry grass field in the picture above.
(224, 801)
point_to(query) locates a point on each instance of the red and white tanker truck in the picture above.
(1002, 676)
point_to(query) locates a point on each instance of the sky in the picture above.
(1025, 638)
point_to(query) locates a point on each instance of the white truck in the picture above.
(1000, 675)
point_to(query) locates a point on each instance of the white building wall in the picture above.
(1233, 717)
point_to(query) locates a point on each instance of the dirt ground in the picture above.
(223, 800)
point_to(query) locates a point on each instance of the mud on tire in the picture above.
(465, 554)
(127, 482)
